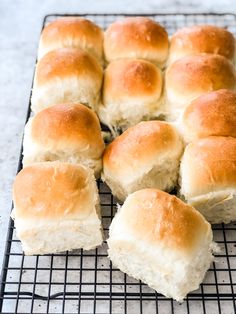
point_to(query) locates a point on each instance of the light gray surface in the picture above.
(20, 25)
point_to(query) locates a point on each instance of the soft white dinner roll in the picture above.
(64, 132)
(193, 76)
(72, 32)
(136, 37)
(131, 93)
(202, 39)
(157, 238)
(56, 208)
(66, 75)
(144, 156)
(208, 177)
(213, 113)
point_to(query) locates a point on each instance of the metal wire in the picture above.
(85, 281)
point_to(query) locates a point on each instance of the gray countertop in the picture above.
(20, 26)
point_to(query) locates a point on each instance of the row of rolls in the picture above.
(170, 106)
(145, 76)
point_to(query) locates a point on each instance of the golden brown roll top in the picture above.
(131, 78)
(131, 92)
(140, 145)
(202, 39)
(66, 75)
(136, 37)
(192, 76)
(72, 32)
(156, 218)
(56, 208)
(213, 113)
(66, 62)
(52, 191)
(208, 165)
(68, 126)
(145, 155)
(65, 132)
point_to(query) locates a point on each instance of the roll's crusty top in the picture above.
(202, 39)
(136, 37)
(213, 113)
(72, 32)
(67, 62)
(141, 146)
(68, 127)
(54, 190)
(194, 75)
(131, 79)
(209, 165)
(158, 218)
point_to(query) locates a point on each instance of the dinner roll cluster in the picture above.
(201, 99)
(56, 201)
(170, 107)
(135, 48)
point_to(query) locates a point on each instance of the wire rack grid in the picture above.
(85, 281)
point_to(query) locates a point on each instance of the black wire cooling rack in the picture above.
(85, 281)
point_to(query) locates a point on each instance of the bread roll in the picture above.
(65, 132)
(72, 32)
(146, 155)
(157, 238)
(208, 177)
(213, 113)
(136, 37)
(193, 76)
(66, 75)
(131, 93)
(202, 39)
(56, 208)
